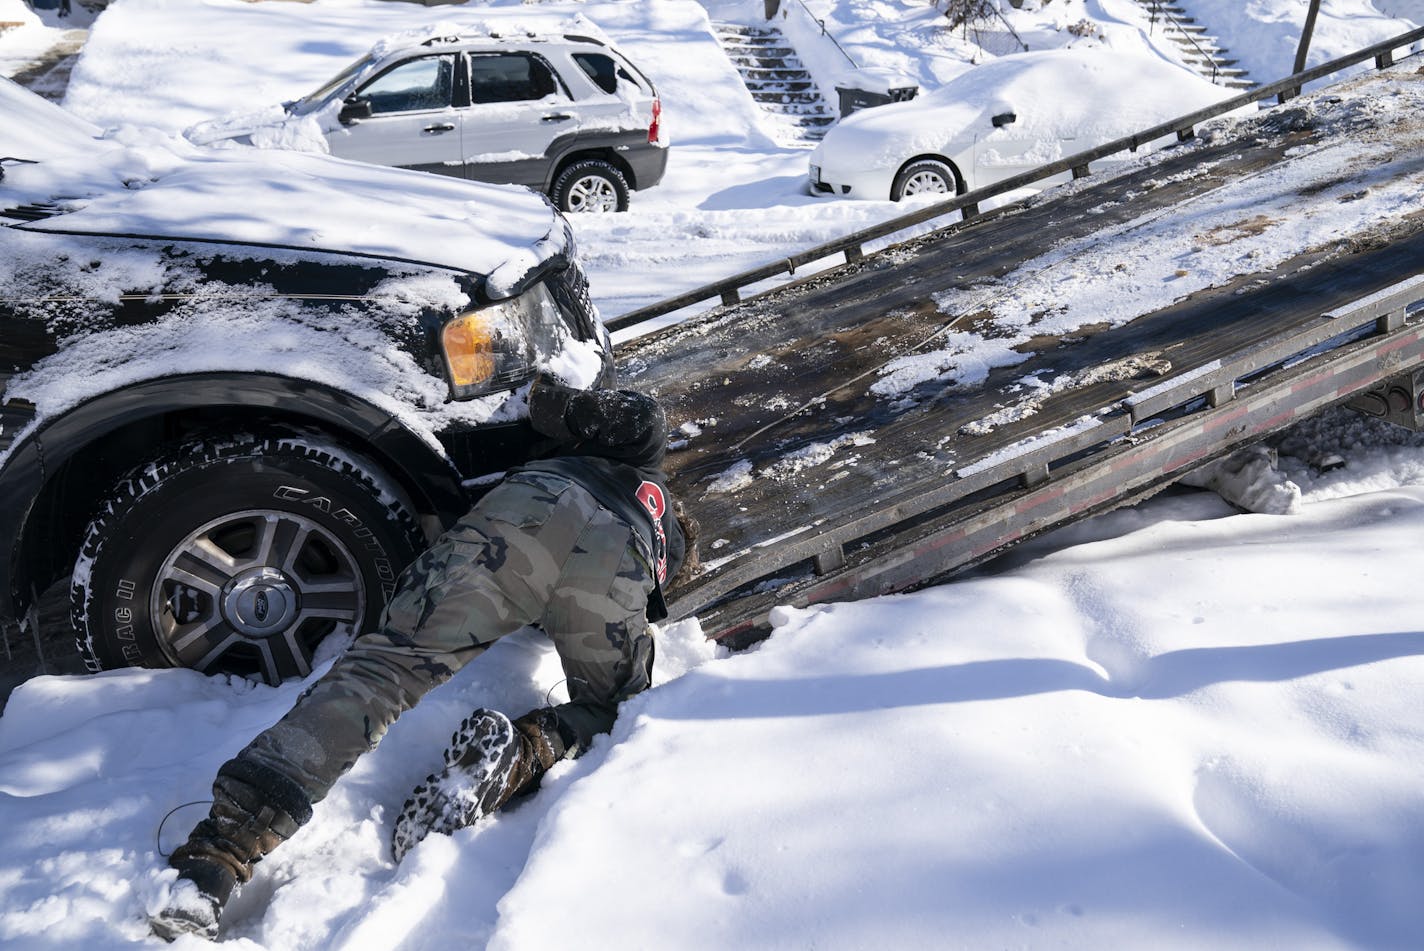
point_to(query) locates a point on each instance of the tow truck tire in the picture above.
(240, 554)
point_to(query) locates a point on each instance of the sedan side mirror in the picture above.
(1003, 119)
(354, 110)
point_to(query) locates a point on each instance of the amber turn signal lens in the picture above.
(469, 348)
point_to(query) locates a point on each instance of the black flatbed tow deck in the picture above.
(851, 494)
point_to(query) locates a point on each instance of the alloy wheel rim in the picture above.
(593, 193)
(925, 183)
(258, 589)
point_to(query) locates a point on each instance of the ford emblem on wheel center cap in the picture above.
(260, 602)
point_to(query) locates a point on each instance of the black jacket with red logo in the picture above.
(612, 443)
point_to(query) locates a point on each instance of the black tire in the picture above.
(925, 177)
(591, 186)
(238, 555)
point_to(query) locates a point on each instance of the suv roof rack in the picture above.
(518, 34)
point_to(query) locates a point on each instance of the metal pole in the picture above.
(1304, 47)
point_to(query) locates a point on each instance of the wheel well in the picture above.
(959, 188)
(602, 155)
(54, 528)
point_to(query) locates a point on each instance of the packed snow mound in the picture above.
(1249, 479)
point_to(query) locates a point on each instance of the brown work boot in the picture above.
(255, 809)
(489, 761)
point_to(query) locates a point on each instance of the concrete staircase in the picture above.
(1196, 47)
(778, 81)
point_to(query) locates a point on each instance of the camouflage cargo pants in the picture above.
(536, 549)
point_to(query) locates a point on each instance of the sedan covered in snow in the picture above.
(1001, 119)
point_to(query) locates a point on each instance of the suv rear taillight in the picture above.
(654, 126)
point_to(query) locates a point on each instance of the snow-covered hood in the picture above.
(303, 201)
(144, 183)
(36, 128)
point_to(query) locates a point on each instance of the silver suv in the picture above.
(567, 115)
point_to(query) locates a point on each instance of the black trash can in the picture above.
(870, 87)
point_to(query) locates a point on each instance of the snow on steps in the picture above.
(1195, 47)
(777, 80)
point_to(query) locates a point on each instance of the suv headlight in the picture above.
(498, 347)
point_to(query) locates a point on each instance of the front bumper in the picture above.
(815, 186)
(873, 184)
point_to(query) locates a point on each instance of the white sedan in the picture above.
(1002, 118)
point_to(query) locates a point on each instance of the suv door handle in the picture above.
(439, 127)
(556, 117)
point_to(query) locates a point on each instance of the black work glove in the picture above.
(622, 424)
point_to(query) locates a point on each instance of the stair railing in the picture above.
(1172, 19)
(821, 24)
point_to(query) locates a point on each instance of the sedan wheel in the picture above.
(925, 177)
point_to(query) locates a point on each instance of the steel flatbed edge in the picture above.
(1370, 350)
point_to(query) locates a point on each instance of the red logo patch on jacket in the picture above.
(650, 496)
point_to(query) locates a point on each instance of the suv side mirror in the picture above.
(354, 110)
(1003, 119)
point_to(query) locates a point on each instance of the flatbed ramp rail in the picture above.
(1117, 456)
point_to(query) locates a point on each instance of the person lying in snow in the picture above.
(581, 544)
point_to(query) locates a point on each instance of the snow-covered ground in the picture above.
(1174, 726)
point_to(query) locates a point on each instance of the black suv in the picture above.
(240, 390)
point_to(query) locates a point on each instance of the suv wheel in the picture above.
(239, 555)
(590, 186)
